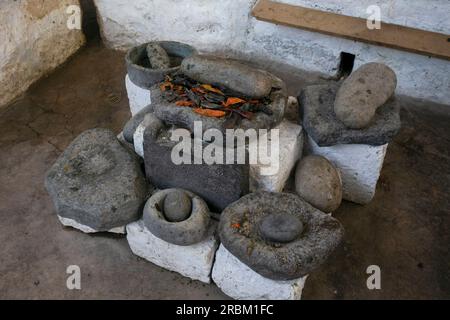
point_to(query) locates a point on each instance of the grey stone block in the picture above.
(97, 182)
(218, 184)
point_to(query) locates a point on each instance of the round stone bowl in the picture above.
(138, 66)
(240, 232)
(188, 232)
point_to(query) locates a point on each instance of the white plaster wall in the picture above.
(206, 24)
(34, 39)
(227, 26)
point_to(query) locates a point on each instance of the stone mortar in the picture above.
(184, 233)
(238, 230)
(139, 69)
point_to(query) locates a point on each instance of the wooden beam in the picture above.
(390, 35)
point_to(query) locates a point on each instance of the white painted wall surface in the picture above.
(227, 26)
(34, 39)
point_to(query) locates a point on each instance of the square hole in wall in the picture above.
(346, 64)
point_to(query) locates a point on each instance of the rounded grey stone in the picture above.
(134, 122)
(139, 68)
(157, 56)
(177, 206)
(97, 182)
(281, 228)
(239, 233)
(184, 233)
(362, 93)
(318, 182)
(231, 74)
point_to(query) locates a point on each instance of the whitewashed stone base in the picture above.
(138, 137)
(193, 261)
(359, 165)
(291, 148)
(240, 282)
(86, 229)
(138, 98)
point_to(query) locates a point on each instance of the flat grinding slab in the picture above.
(321, 124)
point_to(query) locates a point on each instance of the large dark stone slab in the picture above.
(320, 122)
(97, 182)
(218, 184)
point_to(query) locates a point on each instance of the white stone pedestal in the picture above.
(359, 164)
(240, 282)
(193, 261)
(290, 150)
(138, 137)
(138, 98)
(86, 229)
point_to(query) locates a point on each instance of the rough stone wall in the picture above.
(34, 39)
(227, 26)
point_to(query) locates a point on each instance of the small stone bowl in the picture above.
(184, 233)
(138, 66)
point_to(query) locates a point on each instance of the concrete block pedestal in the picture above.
(290, 150)
(194, 261)
(359, 165)
(138, 98)
(240, 282)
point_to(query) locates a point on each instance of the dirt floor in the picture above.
(405, 230)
